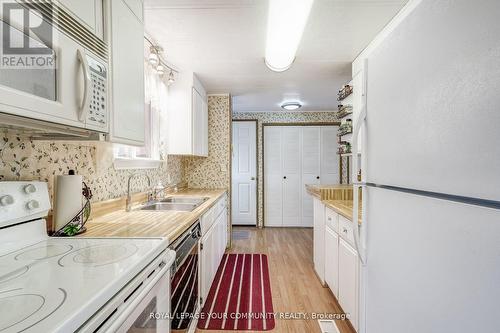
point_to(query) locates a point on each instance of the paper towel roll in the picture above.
(68, 199)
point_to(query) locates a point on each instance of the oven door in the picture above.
(150, 314)
(50, 84)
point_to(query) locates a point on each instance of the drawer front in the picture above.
(346, 230)
(332, 219)
(207, 220)
(219, 206)
(212, 214)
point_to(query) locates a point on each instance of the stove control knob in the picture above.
(6, 200)
(28, 189)
(32, 204)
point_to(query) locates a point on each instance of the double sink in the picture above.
(182, 204)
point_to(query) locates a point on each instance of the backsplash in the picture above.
(24, 159)
(213, 171)
(278, 117)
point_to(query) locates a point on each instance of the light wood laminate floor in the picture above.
(295, 287)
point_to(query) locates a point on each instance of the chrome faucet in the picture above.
(128, 204)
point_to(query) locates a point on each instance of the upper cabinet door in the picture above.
(88, 12)
(137, 7)
(127, 61)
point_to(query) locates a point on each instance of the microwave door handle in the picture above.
(83, 109)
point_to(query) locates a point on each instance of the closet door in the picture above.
(310, 170)
(273, 178)
(291, 171)
(329, 157)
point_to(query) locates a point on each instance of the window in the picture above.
(148, 156)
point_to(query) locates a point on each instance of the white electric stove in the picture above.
(76, 284)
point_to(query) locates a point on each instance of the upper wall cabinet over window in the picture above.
(126, 37)
(187, 117)
(88, 12)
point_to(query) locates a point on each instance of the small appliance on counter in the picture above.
(52, 284)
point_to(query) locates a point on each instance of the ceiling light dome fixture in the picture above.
(285, 25)
(291, 106)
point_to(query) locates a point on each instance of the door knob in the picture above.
(253, 178)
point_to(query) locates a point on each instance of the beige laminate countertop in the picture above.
(337, 197)
(343, 207)
(137, 223)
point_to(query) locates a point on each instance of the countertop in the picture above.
(137, 223)
(343, 207)
(335, 196)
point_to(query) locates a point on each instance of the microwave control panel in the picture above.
(98, 106)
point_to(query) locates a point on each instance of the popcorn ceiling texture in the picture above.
(23, 159)
(277, 117)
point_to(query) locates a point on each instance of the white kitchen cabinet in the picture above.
(88, 12)
(188, 117)
(212, 244)
(137, 7)
(319, 239)
(293, 157)
(332, 260)
(127, 74)
(348, 280)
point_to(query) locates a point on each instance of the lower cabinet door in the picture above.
(206, 263)
(332, 261)
(348, 281)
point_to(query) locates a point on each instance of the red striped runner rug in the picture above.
(240, 296)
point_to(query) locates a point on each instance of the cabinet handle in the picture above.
(345, 230)
(329, 219)
(284, 177)
(317, 177)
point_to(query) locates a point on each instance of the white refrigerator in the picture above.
(430, 238)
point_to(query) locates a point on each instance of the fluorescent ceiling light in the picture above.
(285, 25)
(290, 106)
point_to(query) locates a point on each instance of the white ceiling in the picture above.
(223, 41)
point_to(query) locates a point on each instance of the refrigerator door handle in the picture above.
(356, 187)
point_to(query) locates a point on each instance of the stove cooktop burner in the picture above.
(98, 255)
(30, 308)
(44, 252)
(14, 274)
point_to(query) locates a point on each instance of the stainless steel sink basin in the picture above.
(162, 206)
(192, 200)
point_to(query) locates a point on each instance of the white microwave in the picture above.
(57, 74)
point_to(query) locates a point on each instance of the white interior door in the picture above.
(329, 157)
(310, 170)
(244, 171)
(273, 179)
(291, 171)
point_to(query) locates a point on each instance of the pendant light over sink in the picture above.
(285, 25)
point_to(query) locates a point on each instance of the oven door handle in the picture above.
(117, 322)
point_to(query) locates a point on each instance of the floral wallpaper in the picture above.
(24, 159)
(277, 117)
(213, 171)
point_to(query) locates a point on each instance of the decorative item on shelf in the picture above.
(345, 128)
(344, 92)
(344, 111)
(64, 187)
(344, 148)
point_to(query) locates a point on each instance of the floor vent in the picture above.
(241, 234)
(328, 326)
